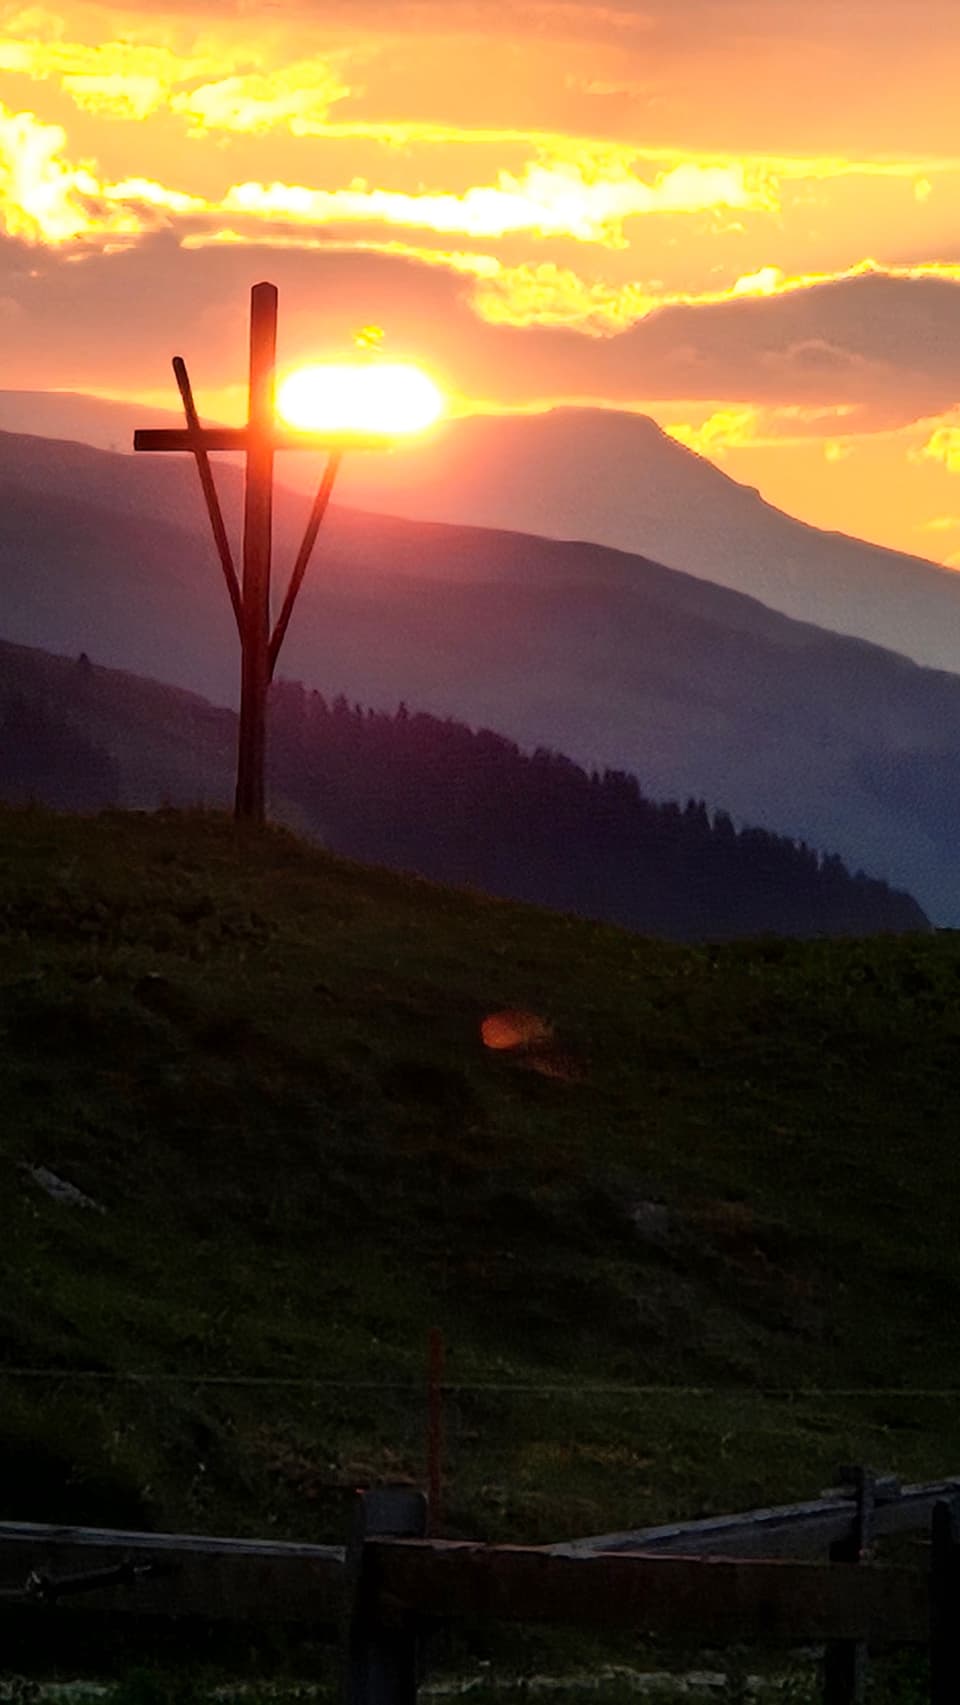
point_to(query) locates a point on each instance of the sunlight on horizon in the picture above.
(344, 397)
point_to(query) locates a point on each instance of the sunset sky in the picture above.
(739, 216)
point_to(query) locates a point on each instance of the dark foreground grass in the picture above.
(716, 1680)
(687, 1257)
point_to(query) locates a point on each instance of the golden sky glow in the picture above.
(390, 397)
(740, 216)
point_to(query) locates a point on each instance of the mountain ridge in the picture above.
(616, 660)
(615, 477)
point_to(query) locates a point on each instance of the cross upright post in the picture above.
(260, 439)
(257, 551)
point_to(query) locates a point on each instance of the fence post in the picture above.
(845, 1661)
(381, 1661)
(435, 1363)
(945, 1603)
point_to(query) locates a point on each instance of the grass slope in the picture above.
(735, 1169)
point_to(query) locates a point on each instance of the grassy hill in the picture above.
(685, 1246)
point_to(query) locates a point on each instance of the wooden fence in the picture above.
(797, 1575)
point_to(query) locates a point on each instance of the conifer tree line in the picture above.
(428, 795)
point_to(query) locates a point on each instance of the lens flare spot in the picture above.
(511, 1028)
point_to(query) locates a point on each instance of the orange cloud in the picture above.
(943, 446)
(559, 199)
(297, 98)
(547, 294)
(451, 260)
(726, 429)
(46, 199)
(738, 428)
(121, 79)
(216, 84)
(587, 199)
(42, 198)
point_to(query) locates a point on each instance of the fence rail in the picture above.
(721, 1599)
(695, 1582)
(171, 1574)
(786, 1530)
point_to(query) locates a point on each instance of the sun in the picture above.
(377, 397)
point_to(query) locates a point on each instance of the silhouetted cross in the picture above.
(260, 439)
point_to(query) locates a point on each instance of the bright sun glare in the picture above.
(376, 398)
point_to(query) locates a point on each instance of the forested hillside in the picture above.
(431, 796)
(428, 795)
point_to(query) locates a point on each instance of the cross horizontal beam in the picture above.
(238, 438)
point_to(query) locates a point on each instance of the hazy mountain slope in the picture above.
(101, 421)
(609, 658)
(169, 747)
(614, 478)
(354, 544)
(619, 480)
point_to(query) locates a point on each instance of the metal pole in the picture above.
(257, 542)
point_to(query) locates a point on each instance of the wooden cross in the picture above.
(260, 439)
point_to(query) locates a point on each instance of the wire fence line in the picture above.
(414, 1387)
